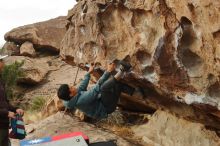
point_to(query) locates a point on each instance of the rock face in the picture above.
(172, 45)
(44, 35)
(168, 46)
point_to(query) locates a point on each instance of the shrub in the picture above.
(10, 74)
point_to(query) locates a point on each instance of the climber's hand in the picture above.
(91, 68)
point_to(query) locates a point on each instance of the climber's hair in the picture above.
(64, 92)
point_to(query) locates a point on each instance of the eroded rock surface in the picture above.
(172, 45)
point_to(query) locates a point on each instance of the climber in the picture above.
(100, 100)
(7, 111)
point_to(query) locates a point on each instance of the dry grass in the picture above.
(117, 124)
(38, 103)
(116, 118)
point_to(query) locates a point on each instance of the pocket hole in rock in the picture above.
(214, 90)
(216, 34)
(148, 70)
(211, 77)
(191, 60)
(144, 58)
(188, 36)
(191, 7)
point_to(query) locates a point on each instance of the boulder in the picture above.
(172, 46)
(166, 129)
(35, 70)
(27, 49)
(44, 35)
(10, 48)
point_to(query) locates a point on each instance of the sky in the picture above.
(15, 13)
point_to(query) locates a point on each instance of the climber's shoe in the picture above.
(125, 66)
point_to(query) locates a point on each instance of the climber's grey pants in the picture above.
(110, 93)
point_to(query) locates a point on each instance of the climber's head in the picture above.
(66, 92)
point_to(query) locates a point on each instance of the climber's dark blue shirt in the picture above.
(89, 101)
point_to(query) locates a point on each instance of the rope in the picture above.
(74, 83)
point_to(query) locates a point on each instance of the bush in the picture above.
(38, 103)
(10, 74)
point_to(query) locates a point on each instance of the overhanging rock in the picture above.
(174, 54)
